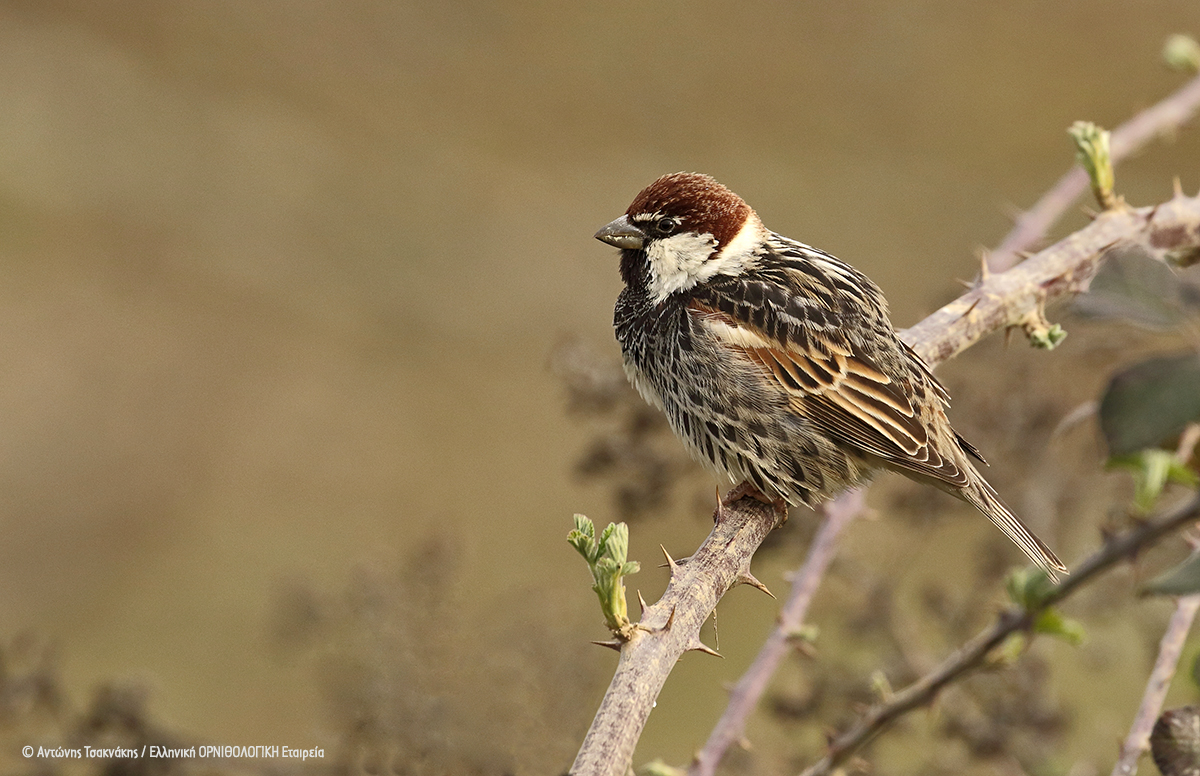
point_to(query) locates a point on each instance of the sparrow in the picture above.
(775, 363)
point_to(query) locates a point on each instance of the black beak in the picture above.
(622, 234)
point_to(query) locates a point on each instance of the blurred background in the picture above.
(283, 453)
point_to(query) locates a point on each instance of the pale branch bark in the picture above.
(973, 654)
(1016, 297)
(1170, 648)
(1031, 227)
(744, 696)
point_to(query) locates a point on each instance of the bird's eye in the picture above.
(667, 224)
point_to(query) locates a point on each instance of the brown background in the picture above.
(281, 280)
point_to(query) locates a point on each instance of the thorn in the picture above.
(670, 561)
(1178, 186)
(700, 646)
(641, 604)
(746, 578)
(1008, 336)
(1092, 215)
(1023, 255)
(965, 284)
(967, 311)
(985, 271)
(1150, 216)
(744, 743)
(610, 644)
(670, 618)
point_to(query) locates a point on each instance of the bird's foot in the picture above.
(744, 490)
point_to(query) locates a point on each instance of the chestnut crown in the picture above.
(689, 202)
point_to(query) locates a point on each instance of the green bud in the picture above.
(1182, 53)
(607, 560)
(1048, 338)
(1092, 152)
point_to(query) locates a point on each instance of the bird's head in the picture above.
(683, 230)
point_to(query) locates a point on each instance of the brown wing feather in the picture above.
(841, 391)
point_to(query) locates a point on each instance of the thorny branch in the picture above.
(974, 653)
(745, 694)
(668, 629)
(999, 300)
(1164, 118)
(1018, 297)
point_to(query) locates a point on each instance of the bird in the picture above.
(776, 363)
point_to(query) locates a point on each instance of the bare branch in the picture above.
(1170, 648)
(744, 696)
(973, 654)
(1031, 227)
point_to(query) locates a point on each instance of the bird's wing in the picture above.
(795, 322)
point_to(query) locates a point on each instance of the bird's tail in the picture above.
(981, 494)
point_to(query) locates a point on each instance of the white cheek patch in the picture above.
(741, 250)
(676, 262)
(679, 262)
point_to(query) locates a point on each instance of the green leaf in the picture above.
(1150, 402)
(602, 542)
(617, 542)
(1152, 470)
(806, 632)
(1028, 587)
(583, 539)
(660, 768)
(1010, 650)
(1184, 579)
(1133, 286)
(1053, 623)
